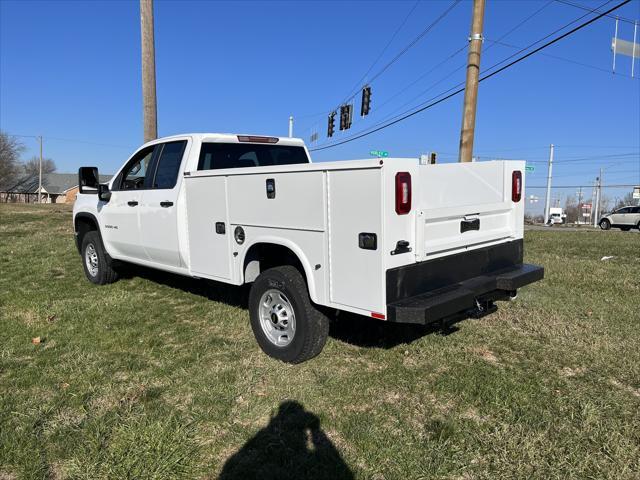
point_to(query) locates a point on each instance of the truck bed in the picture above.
(320, 210)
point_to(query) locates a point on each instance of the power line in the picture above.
(485, 77)
(460, 84)
(613, 173)
(356, 87)
(359, 82)
(453, 72)
(417, 39)
(411, 44)
(407, 87)
(583, 186)
(504, 35)
(593, 10)
(564, 59)
(594, 157)
(74, 141)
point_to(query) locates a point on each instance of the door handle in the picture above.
(468, 224)
(166, 204)
(132, 203)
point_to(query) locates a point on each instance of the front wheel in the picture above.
(605, 224)
(287, 326)
(97, 266)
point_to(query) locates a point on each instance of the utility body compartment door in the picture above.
(355, 202)
(208, 226)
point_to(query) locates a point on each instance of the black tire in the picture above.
(311, 325)
(605, 224)
(104, 272)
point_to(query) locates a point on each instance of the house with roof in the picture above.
(56, 188)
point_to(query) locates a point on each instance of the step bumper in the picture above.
(463, 296)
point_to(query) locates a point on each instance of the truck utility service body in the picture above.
(385, 238)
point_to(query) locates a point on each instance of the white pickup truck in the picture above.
(390, 239)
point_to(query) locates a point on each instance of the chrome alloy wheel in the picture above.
(91, 260)
(277, 318)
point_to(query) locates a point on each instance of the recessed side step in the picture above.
(437, 304)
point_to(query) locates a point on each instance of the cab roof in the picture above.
(235, 138)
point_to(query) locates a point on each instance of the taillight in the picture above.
(403, 193)
(516, 185)
(257, 139)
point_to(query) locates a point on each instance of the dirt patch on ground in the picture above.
(486, 355)
(627, 388)
(572, 372)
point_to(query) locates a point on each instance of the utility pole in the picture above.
(291, 126)
(40, 173)
(547, 202)
(579, 206)
(633, 55)
(471, 87)
(149, 108)
(599, 200)
(594, 192)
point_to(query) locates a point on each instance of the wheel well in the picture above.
(263, 256)
(84, 225)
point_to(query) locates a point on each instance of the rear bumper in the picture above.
(429, 291)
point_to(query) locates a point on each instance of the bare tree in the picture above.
(571, 209)
(626, 200)
(10, 150)
(32, 166)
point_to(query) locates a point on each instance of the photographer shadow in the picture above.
(292, 446)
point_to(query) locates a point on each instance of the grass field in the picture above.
(158, 376)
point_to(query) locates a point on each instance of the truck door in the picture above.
(120, 228)
(159, 205)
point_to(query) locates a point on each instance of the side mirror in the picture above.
(104, 193)
(88, 180)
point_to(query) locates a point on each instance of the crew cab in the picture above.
(389, 239)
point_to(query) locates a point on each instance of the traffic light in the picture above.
(366, 101)
(346, 112)
(432, 158)
(332, 124)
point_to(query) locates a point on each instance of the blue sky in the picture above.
(71, 70)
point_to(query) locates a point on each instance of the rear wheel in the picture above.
(98, 267)
(287, 326)
(605, 224)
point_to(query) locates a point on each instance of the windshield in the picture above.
(215, 156)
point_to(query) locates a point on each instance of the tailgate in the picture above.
(462, 205)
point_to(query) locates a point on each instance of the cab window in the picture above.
(215, 156)
(169, 160)
(135, 173)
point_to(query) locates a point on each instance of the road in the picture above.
(571, 228)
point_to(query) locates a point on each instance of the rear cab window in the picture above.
(215, 156)
(168, 166)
